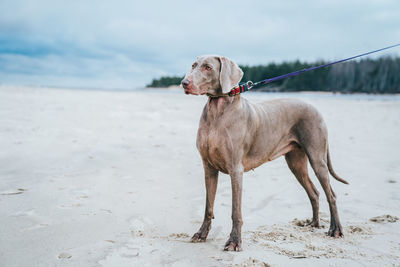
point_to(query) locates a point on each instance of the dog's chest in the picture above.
(212, 146)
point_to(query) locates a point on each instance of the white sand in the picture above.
(96, 178)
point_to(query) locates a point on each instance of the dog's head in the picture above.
(212, 75)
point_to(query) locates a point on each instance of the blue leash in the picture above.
(241, 88)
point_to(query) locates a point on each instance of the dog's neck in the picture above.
(217, 104)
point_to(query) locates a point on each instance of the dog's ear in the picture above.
(230, 74)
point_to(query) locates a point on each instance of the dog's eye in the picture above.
(207, 67)
(194, 65)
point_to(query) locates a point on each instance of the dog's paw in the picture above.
(314, 223)
(335, 231)
(197, 237)
(231, 245)
(202, 234)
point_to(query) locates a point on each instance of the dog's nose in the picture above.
(185, 83)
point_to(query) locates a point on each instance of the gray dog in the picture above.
(236, 136)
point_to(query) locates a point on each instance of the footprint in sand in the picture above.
(64, 255)
(359, 229)
(13, 192)
(70, 206)
(141, 226)
(252, 262)
(311, 242)
(384, 219)
(178, 236)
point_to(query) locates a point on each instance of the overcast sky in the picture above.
(125, 44)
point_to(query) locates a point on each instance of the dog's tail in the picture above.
(333, 173)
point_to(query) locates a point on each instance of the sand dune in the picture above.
(101, 178)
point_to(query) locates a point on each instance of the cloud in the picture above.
(127, 43)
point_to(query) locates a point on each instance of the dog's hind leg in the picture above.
(318, 162)
(313, 136)
(297, 161)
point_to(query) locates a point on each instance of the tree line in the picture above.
(380, 76)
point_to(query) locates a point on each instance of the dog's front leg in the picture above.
(211, 179)
(234, 242)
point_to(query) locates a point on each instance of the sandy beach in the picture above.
(113, 178)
